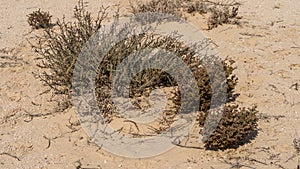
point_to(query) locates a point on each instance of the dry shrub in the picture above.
(234, 127)
(217, 13)
(59, 48)
(224, 15)
(162, 6)
(236, 123)
(197, 6)
(39, 19)
(154, 78)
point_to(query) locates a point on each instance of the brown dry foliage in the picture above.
(59, 48)
(39, 19)
(234, 127)
(216, 13)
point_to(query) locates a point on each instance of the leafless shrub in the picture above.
(221, 16)
(39, 19)
(218, 13)
(197, 6)
(162, 6)
(58, 48)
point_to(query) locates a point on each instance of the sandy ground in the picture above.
(266, 48)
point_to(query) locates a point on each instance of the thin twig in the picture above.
(13, 156)
(137, 127)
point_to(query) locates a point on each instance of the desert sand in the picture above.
(265, 46)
